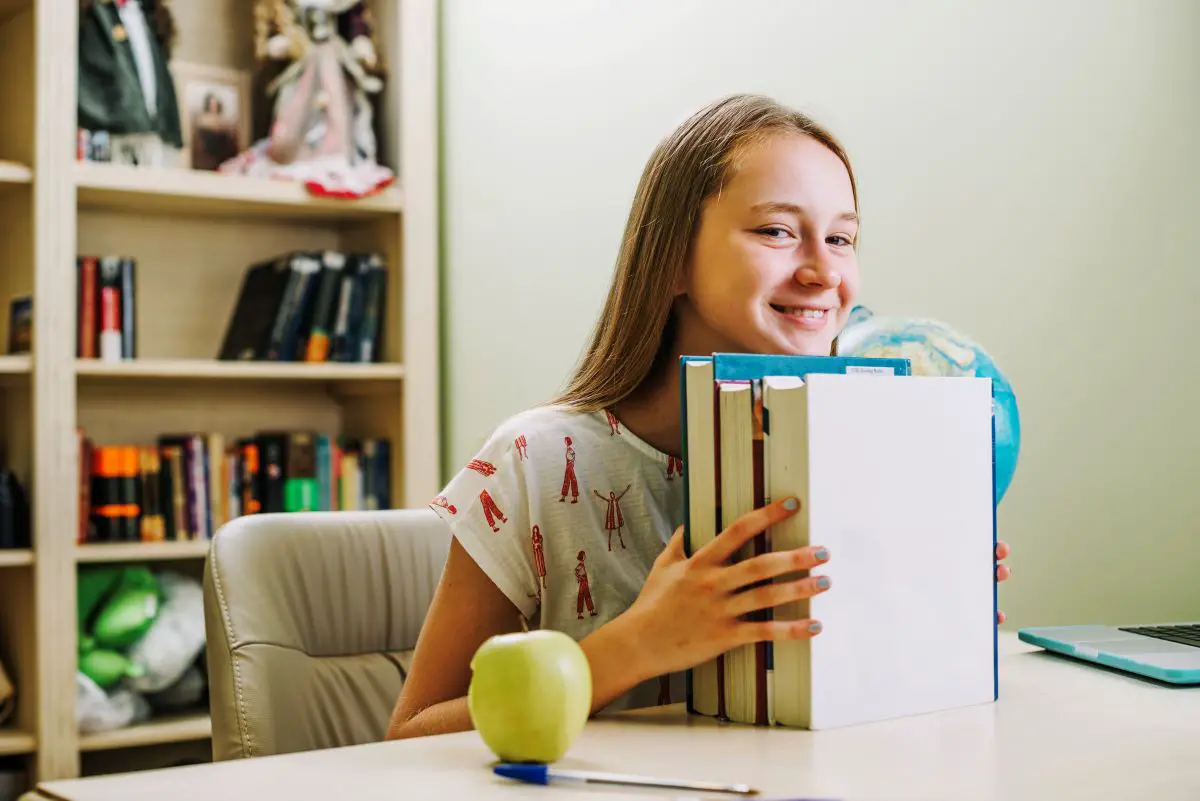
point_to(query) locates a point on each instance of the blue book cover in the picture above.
(751, 366)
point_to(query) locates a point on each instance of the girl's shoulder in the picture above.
(541, 422)
(553, 431)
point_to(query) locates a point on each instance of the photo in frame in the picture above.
(214, 111)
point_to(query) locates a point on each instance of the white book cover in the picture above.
(895, 478)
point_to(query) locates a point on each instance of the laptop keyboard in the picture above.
(1184, 635)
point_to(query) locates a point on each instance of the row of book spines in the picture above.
(309, 307)
(339, 311)
(739, 485)
(105, 302)
(186, 490)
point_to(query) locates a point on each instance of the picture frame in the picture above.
(214, 111)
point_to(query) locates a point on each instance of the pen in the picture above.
(534, 773)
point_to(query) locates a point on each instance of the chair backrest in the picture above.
(311, 619)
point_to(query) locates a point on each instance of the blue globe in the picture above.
(935, 348)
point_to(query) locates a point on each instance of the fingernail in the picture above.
(791, 504)
(823, 582)
(814, 627)
(821, 554)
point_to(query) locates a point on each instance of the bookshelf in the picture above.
(193, 234)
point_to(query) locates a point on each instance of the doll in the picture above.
(322, 117)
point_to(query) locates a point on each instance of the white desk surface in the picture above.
(1060, 730)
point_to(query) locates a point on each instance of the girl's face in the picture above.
(773, 267)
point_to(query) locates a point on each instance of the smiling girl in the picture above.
(742, 238)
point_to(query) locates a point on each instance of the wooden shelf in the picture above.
(198, 192)
(14, 742)
(141, 551)
(18, 364)
(10, 171)
(16, 558)
(167, 729)
(348, 377)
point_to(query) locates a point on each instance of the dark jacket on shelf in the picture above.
(110, 94)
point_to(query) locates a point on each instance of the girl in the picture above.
(742, 237)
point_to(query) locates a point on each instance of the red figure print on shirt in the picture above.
(445, 504)
(664, 690)
(441, 500)
(570, 483)
(521, 444)
(539, 558)
(482, 467)
(614, 425)
(613, 519)
(585, 594)
(674, 467)
(491, 511)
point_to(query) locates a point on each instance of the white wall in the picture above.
(1030, 172)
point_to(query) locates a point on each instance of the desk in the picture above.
(1060, 730)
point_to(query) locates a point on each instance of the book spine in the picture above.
(343, 327)
(251, 470)
(271, 456)
(88, 303)
(374, 295)
(153, 527)
(324, 467)
(166, 493)
(317, 344)
(128, 304)
(199, 479)
(215, 476)
(110, 309)
(84, 449)
(233, 482)
(300, 473)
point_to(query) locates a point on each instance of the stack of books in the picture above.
(894, 474)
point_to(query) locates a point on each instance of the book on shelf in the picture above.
(105, 307)
(20, 324)
(186, 485)
(309, 306)
(894, 474)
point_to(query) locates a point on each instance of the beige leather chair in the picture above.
(311, 620)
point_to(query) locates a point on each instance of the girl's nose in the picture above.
(817, 272)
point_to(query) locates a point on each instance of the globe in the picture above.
(934, 348)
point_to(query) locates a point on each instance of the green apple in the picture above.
(530, 694)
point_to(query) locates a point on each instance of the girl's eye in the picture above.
(773, 232)
(840, 240)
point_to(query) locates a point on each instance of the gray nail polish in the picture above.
(814, 627)
(823, 582)
(791, 504)
(821, 554)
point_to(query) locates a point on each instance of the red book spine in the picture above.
(88, 330)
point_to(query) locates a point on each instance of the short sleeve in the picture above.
(486, 506)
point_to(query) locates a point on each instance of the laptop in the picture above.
(1168, 652)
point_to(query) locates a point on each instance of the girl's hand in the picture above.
(690, 609)
(1002, 571)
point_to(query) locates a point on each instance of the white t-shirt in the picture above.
(566, 511)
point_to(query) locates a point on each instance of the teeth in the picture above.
(796, 311)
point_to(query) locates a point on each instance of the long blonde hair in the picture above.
(634, 331)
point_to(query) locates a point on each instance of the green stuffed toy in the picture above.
(117, 605)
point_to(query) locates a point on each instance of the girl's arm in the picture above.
(467, 608)
(689, 610)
